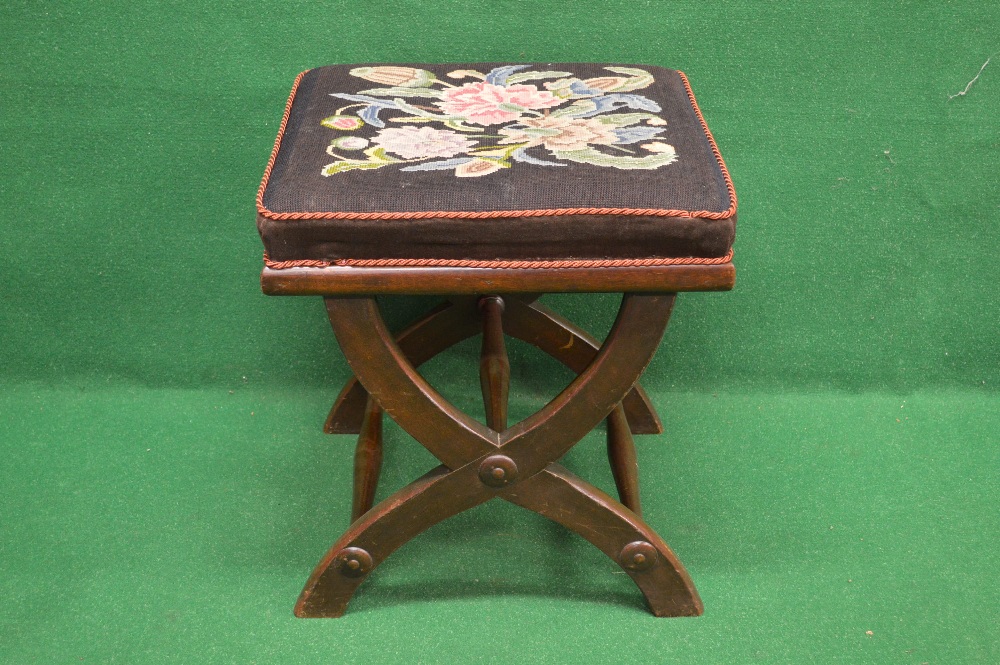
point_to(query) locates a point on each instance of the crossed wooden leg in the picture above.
(457, 320)
(523, 318)
(517, 464)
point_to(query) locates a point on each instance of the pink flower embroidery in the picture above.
(487, 104)
(477, 167)
(344, 122)
(413, 143)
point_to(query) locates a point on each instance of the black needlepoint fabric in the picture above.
(488, 137)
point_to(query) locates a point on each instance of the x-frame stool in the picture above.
(481, 462)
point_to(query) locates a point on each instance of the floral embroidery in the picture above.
(482, 126)
(349, 143)
(413, 143)
(559, 133)
(345, 122)
(488, 104)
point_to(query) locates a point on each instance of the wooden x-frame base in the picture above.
(483, 462)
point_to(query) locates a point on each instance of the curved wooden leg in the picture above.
(624, 463)
(448, 324)
(481, 463)
(550, 433)
(574, 347)
(382, 367)
(622, 535)
(367, 461)
(441, 328)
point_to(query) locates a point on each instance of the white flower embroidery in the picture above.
(413, 142)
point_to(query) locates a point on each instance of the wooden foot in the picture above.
(367, 460)
(450, 323)
(618, 532)
(624, 464)
(380, 532)
(516, 464)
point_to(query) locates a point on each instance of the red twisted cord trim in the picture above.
(715, 150)
(509, 263)
(277, 145)
(284, 265)
(646, 212)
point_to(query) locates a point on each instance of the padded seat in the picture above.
(494, 162)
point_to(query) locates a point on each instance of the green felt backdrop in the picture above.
(829, 470)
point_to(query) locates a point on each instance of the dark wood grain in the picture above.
(441, 328)
(588, 399)
(406, 513)
(562, 497)
(494, 366)
(367, 460)
(450, 323)
(624, 463)
(544, 329)
(380, 365)
(473, 281)
(517, 464)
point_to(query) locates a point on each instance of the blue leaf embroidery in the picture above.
(520, 155)
(617, 101)
(370, 113)
(499, 75)
(362, 98)
(581, 88)
(438, 166)
(635, 134)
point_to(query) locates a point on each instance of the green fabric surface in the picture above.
(830, 460)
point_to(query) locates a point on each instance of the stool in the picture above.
(490, 185)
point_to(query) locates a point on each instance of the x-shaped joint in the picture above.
(517, 465)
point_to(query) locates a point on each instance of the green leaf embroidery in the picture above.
(460, 126)
(532, 76)
(629, 70)
(402, 92)
(580, 106)
(499, 153)
(540, 131)
(639, 80)
(406, 77)
(377, 158)
(597, 158)
(378, 155)
(451, 124)
(340, 167)
(562, 87)
(624, 119)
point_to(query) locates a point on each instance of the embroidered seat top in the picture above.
(494, 161)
